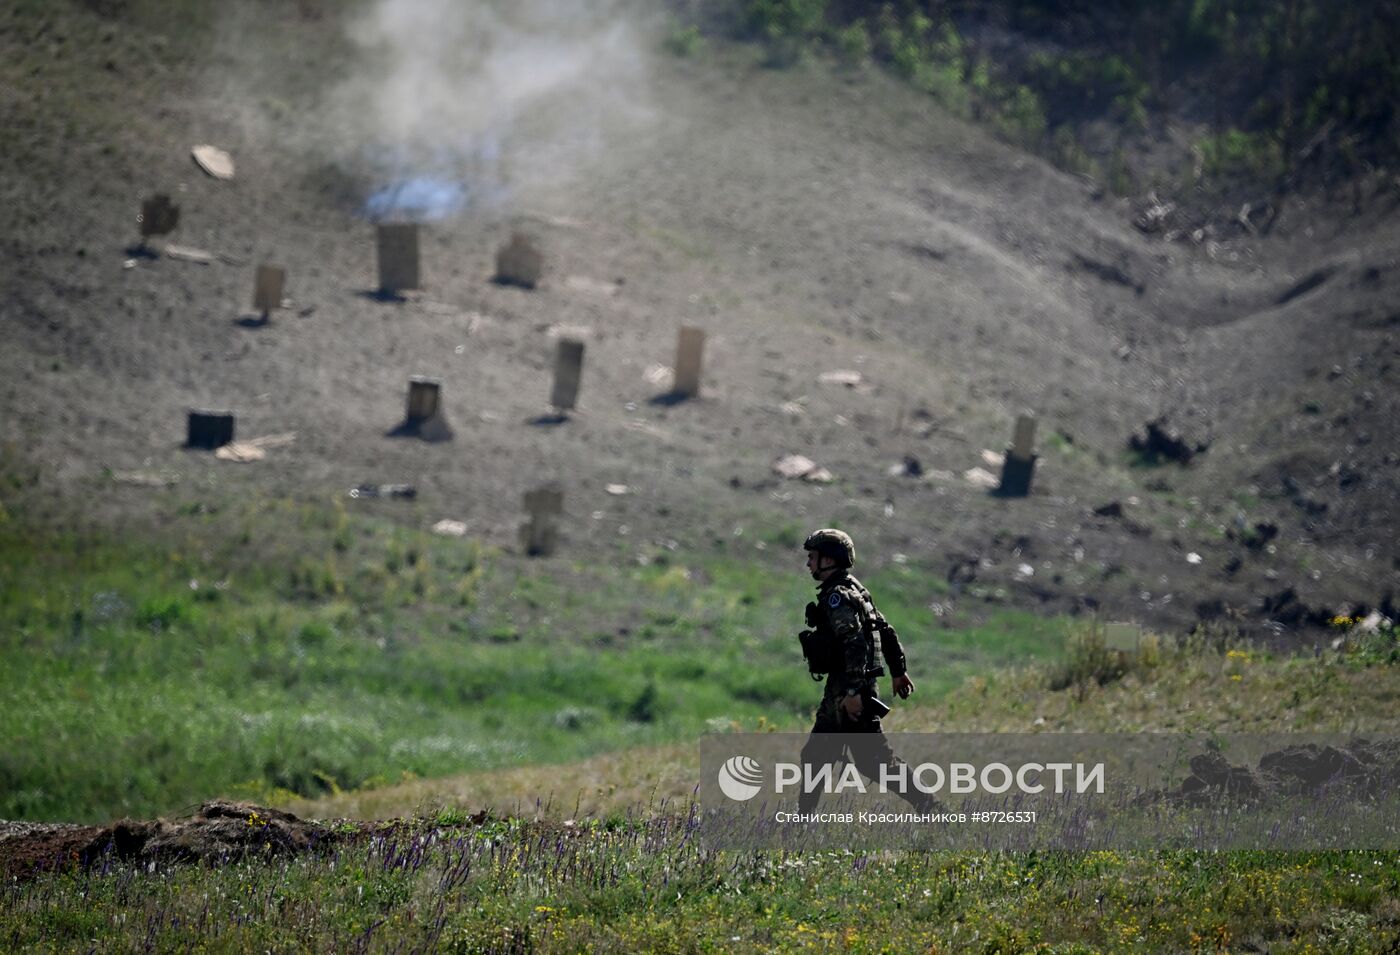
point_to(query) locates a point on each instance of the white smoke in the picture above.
(499, 96)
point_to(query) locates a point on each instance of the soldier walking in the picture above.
(847, 640)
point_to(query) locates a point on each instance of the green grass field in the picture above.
(270, 647)
(646, 887)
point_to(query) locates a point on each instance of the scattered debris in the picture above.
(1025, 571)
(981, 478)
(213, 160)
(1193, 558)
(841, 376)
(185, 253)
(1263, 208)
(616, 489)
(129, 264)
(1155, 215)
(240, 451)
(795, 466)
(254, 449)
(450, 528)
(1373, 622)
(1162, 442)
(792, 409)
(384, 490)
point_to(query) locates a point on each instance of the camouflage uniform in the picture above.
(846, 615)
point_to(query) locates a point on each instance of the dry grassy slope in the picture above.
(1191, 693)
(809, 222)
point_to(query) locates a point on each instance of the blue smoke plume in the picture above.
(416, 199)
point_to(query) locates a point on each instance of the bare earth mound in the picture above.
(219, 832)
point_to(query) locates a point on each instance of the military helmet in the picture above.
(832, 543)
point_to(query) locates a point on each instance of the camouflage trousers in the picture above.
(838, 738)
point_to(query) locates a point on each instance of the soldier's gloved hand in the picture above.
(903, 686)
(852, 706)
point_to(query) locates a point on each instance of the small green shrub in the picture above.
(1021, 117)
(1090, 662)
(1072, 82)
(853, 43)
(644, 708)
(785, 26)
(164, 613)
(1235, 153)
(317, 633)
(1380, 647)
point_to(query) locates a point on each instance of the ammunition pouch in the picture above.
(820, 652)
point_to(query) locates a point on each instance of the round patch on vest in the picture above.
(834, 600)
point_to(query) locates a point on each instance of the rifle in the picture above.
(874, 705)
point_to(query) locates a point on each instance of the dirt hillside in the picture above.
(810, 220)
